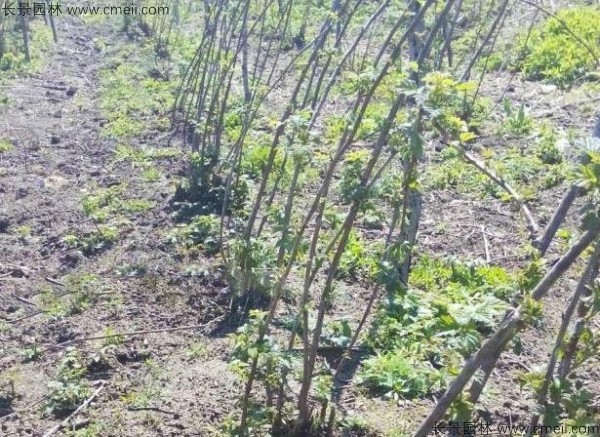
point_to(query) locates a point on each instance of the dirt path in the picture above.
(52, 122)
(53, 125)
(155, 384)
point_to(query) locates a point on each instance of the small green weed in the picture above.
(107, 202)
(23, 231)
(516, 122)
(151, 174)
(70, 387)
(201, 233)
(94, 429)
(140, 157)
(149, 388)
(251, 268)
(112, 338)
(32, 353)
(355, 425)
(197, 351)
(358, 260)
(451, 171)
(257, 157)
(132, 270)
(399, 374)
(93, 242)
(5, 146)
(78, 296)
(546, 149)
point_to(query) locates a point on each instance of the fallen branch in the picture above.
(486, 245)
(128, 334)
(158, 410)
(27, 301)
(54, 281)
(13, 268)
(532, 224)
(28, 316)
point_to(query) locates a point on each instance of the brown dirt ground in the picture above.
(59, 155)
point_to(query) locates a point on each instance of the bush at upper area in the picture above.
(552, 52)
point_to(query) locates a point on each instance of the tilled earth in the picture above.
(59, 156)
(171, 377)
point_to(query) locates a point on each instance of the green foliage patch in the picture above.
(422, 336)
(138, 90)
(552, 53)
(12, 55)
(201, 233)
(70, 388)
(107, 202)
(529, 171)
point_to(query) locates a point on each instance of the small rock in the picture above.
(563, 145)
(37, 170)
(56, 182)
(547, 89)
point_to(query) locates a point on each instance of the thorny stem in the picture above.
(586, 278)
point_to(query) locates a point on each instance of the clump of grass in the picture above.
(129, 100)
(201, 233)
